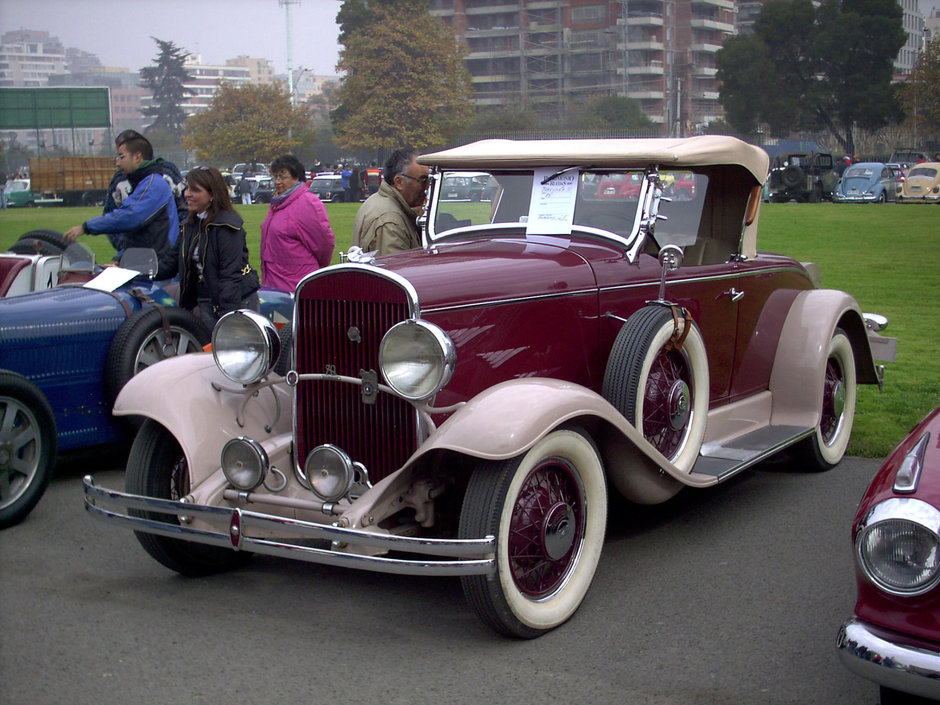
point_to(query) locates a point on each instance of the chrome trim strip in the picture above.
(473, 556)
(369, 269)
(905, 668)
(608, 289)
(908, 477)
(513, 300)
(722, 277)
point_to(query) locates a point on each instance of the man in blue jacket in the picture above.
(147, 217)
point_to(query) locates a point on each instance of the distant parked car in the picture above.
(18, 195)
(867, 182)
(900, 174)
(241, 167)
(907, 156)
(894, 637)
(621, 186)
(265, 189)
(922, 184)
(328, 188)
(802, 177)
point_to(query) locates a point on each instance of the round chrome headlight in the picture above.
(417, 359)
(329, 472)
(245, 346)
(899, 551)
(244, 463)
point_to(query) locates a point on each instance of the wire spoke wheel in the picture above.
(548, 511)
(827, 445)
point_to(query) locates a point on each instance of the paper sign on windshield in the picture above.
(551, 209)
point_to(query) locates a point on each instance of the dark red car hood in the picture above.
(492, 270)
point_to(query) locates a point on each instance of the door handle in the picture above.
(734, 294)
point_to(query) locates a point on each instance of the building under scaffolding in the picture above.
(551, 55)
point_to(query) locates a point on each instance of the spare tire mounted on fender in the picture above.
(657, 377)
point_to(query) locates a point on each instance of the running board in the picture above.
(722, 460)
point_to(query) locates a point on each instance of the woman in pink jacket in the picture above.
(296, 238)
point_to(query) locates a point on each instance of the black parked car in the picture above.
(328, 188)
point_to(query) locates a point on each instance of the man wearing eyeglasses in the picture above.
(387, 221)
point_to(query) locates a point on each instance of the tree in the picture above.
(165, 81)
(405, 82)
(617, 113)
(921, 95)
(806, 68)
(502, 120)
(250, 122)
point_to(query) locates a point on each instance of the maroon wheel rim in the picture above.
(833, 406)
(667, 403)
(546, 528)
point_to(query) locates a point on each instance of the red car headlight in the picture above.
(898, 546)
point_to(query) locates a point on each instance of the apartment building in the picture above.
(28, 57)
(549, 55)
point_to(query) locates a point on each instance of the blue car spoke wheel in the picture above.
(27, 447)
(147, 337)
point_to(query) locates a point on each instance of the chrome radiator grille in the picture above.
(340, 320)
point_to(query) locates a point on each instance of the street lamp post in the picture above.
(290, 64)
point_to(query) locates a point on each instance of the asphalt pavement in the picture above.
(728, 595)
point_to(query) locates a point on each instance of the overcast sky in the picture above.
(119, 31)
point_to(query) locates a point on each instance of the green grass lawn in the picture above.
(886, 256)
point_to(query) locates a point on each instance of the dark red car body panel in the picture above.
(589, 286)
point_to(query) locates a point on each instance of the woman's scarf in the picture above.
(278, 200)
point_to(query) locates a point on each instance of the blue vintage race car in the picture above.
(66, 352)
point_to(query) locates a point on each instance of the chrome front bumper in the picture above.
(898, 666)
(456, 556)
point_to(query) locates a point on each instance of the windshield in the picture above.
(858, 172)
(926, 171)
(602, 201)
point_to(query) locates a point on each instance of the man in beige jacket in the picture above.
(387, 221)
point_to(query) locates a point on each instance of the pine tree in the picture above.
(166, 82)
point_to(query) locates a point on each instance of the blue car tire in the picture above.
(147, 337)
(27, 446)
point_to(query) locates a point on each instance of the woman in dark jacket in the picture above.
(215, 276)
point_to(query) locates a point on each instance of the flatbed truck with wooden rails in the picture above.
(70, 181)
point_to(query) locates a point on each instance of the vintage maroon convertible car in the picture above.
(894, 637)
(464, 409)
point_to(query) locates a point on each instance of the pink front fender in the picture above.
(509, 418)
(202, 409)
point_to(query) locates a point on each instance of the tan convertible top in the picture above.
(705, 150)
